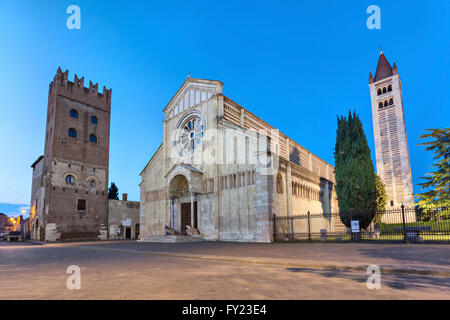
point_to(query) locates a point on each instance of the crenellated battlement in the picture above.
(61, 85)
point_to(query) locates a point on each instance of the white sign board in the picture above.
(355, 225)
(126, 222)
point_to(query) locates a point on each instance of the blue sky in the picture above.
(295, 64)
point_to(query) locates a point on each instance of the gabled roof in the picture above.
(184, 165)
(213, 83)
(384, 69)
(149, 161)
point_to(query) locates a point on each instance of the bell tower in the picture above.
(391, 143)
(69, 198)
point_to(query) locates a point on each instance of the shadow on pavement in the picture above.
(437, 255)
(399, 282)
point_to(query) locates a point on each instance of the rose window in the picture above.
(191, 135)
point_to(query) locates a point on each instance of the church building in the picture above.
(222, 173)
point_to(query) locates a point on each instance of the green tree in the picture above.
(355, 179)
(381, 197)
(381, 193)
(113, 192)
(436, 188)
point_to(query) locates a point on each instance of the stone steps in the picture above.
(173, 238)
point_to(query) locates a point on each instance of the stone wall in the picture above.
(121, 215)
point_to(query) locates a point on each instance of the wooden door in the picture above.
(195, 216)
(185, 216)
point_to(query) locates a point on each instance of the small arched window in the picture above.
(72, 133)
(73, 113)
(380, 105)
(279, 184)
(386, 103)
(389, 88)
(384, 90)
(92, 183)
(379, 91)
(70, 179)
(94, 120)
(93, 138)
(391, 101)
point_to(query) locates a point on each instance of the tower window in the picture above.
(391, 101)
(380, 105)
(92, 184)
(386, 103)
(70, 179)
(379, 91)
(73, 113)
(72, 133)
(384, 90)
(389, 88)
(93, 138)
(392, 203)
(81, 205)
(94, 120)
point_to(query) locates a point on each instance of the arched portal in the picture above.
(183, 205)
(179, 184)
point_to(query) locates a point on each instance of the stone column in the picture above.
(288, 190)
(264, 207)
(192, 210)
(171, 212)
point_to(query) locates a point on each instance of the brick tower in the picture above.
(70, 181)
(391, 144)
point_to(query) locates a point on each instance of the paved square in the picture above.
(218, 270)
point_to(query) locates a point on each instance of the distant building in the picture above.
(3, 222)
(391, 143)
(123, 219)
(69, 198)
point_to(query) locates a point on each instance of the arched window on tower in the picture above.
(93, 138)
(70, 179)
(384, 90)
(391, 101)
(386, 103)
(379, 91)
(380, 105)
(94, 120)
(389, 88)
(72, 133)
(73, 113)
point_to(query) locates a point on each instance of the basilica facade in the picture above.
(222, 173)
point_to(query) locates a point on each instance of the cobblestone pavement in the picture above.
(208, 270)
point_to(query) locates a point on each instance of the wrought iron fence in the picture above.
(407, 225)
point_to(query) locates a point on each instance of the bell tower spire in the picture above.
(391, 144)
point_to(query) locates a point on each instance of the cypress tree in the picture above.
(381, 197)
(355, 178)
(113, 192)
